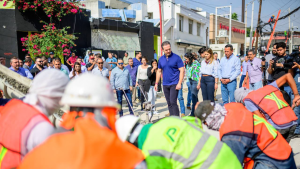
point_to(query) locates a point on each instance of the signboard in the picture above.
(223, 33)
(232, 29)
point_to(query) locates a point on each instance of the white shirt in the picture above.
(209, 69)
(83, 69)
(71, 74)
(141, 73)
(104, 72)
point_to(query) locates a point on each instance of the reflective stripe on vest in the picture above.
(188, 162)
(271, 129)
(280, 104)
(2, 154)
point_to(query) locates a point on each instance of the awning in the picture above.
(180, 41)
(115, 40)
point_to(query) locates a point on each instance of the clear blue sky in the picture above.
(269, 8)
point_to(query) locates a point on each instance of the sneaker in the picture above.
(137, 101)
(189, 108)
(216, 99)
(155, 112)
(167, 115)
(182, 115)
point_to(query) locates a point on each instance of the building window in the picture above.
(190, 26)
(198, 29)
(181, 23)
(150, 15)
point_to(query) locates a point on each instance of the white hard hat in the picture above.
(125, 128)
(89, 90)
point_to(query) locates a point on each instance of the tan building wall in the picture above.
(236, 37)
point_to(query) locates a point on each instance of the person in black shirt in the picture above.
(277, 68)
(38, 66)
(91, 64)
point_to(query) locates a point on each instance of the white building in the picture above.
(185, 28)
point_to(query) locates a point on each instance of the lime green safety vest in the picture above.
(176, 143)
(194, 120)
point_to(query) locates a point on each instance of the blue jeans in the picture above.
(208, 88)
(242, 80)
(181, 100)
(120, 94)
(243, 146)
(255, 86)
(189, 95)
(195, 92)
(297, 109)
(228, 91)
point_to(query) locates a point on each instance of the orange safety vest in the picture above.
(88, 146)
(240, 121)
(270, 101)
(17, 119)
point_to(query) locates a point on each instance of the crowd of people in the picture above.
(262, 113)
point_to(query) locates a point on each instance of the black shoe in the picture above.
(189, 108)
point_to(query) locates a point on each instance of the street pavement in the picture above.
(162, 109)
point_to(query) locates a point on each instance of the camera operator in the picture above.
(269, 57)
(279, 66)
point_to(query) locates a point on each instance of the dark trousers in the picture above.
(144, 88)
(242, 80)
(195, 92)
(120, 94)
(288, 133)
(208, 87)
(171, 95)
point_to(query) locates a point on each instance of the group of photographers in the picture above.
(277, 64)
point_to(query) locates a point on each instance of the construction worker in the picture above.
(93, 143)
(271, 20)
(173, 142)
(255, 142)
(25, 124)
(270, 103)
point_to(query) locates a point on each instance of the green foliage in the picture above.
(234, 16)
(248, 32)
(50, 40)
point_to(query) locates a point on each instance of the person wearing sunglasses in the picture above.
(38, 66)
(121, 83)
(100, 70)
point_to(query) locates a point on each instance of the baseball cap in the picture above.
(51, 53)
(49, 60)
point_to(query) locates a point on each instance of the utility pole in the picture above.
(230, 25)
(258, 25)
(245, 43)
(291, 40)
(243, 10)
(206, 37)
(251, 30)
(160, 4)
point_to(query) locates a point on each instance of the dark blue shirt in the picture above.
(170, 68)
(132, 72)
(136, 62)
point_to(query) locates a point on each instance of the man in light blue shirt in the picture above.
(15, 66)
(111, 60)
(121, 83)
(100, 70)
(229, 69)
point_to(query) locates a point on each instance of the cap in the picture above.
(49, 60)
(204, 109)
(51, 53)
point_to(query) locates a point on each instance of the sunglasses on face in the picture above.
(120, 63)
(39, 61)
(100, 63)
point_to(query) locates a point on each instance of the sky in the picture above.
(269, 8)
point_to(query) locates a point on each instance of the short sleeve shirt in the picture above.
(170, 68)
(112, 65)
(72, 59)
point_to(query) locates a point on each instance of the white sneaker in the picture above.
(155, 112)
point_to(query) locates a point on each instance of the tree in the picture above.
(248, 32)
(234, 16)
